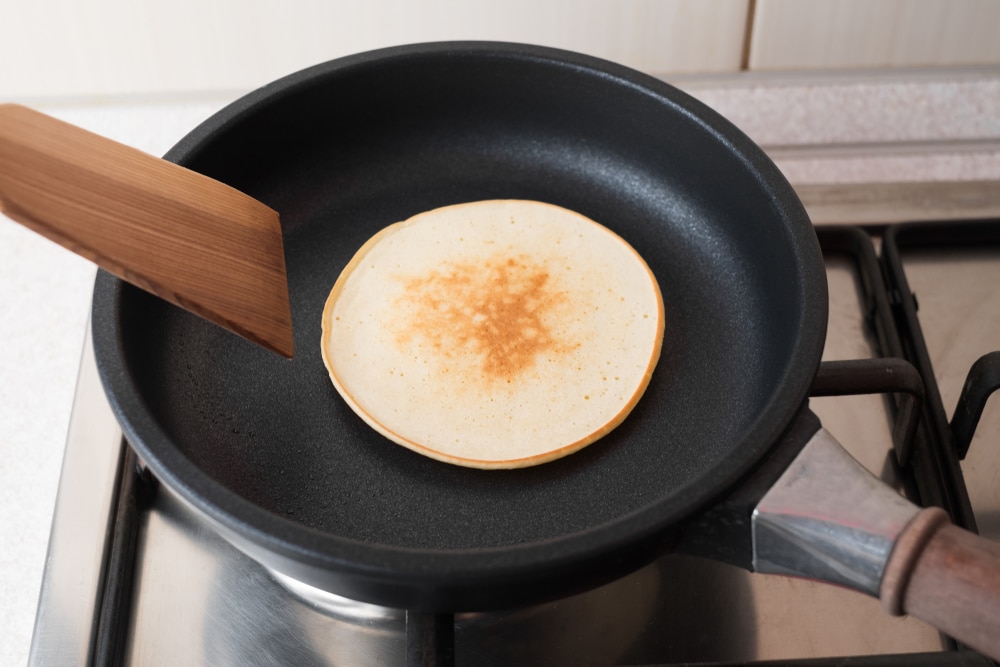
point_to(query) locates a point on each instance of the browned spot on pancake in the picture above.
(495, 309)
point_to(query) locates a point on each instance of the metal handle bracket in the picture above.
(828, 518)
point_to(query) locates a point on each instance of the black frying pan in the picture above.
(270, 454)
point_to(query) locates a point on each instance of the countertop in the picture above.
(825, 131)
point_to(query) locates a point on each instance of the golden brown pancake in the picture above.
(493, 334)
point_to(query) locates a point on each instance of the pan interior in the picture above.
(345, 152)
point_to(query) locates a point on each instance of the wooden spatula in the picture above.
(185, 237)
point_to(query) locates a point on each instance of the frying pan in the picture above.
(267, 452)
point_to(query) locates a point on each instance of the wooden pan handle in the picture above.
(948, 577)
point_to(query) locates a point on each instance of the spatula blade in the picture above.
(183, 236)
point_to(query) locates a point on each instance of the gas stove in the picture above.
(135, 577)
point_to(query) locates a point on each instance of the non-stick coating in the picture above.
(267, 449)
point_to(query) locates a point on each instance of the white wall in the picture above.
(127, 48)
(74, 48)
(798, 34)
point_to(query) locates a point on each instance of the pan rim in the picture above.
(640, 531)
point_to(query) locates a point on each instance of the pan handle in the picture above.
(948, 577)
(828, 518)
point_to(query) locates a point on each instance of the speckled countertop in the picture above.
(821, 129)
(926, 125)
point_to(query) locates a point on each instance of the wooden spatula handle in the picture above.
(948, 577)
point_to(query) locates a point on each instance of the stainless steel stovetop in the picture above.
(184, 596)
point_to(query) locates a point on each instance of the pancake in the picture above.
(493, 334)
